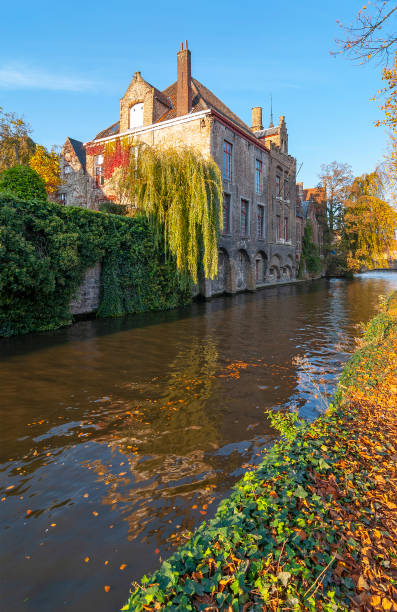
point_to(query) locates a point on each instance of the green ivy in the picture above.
(46, 248)
(309, 258)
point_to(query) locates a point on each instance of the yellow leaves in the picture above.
(47, 166)
(53, 525)
(86, 559)
(387, 604)
(223, 583)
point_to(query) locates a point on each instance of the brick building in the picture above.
(258, 243)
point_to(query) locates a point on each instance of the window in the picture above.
(286, 190)
(261, 220)
(62, 198)
(67, 169)
(278, 227)
(226, 213)
(286, 229)
(244, 218)
(227, 160)
(258, 176)
(136, 115)
(99, 175)
(278, 186)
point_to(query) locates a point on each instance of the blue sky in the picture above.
(64, 67)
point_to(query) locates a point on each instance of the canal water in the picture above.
(118, 437)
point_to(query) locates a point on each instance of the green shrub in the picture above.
(23, 182)
(46, 248)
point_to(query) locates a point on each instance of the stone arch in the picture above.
(287, 272)
(243, 272)
(274, 273)
(222, 283)
(291, 266)
(260, 267)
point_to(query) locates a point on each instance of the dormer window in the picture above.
(136, 115)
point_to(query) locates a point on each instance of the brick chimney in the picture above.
(257, 119)
(184, 86)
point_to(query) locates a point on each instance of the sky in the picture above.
(65, 65)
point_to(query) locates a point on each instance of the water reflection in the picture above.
(118, 437)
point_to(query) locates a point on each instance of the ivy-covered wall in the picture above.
(46, 248)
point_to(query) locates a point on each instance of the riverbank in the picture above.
(313, 526)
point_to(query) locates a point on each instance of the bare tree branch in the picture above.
(364, 40)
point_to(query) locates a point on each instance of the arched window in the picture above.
(136, 115)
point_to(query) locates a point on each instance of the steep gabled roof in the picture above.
(202, 99)
(79, 150)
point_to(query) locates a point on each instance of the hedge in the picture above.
(45, 249)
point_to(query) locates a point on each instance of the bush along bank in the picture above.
(45, 249)
(314, 526)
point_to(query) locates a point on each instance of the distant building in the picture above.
(258, 244)
(310, 207)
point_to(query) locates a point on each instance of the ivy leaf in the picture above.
(300, 492)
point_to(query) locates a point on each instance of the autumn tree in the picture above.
(336, 178)
(16, 146)
(46, 164)
(369, 224)
(372, 34)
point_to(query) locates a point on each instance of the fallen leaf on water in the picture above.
(106, 562)
(107, 588)
(95, 513)
(123, 566)
(86, 559)
(53, 525)
(194, 507)
(157, 551)
(28, 512)
(85, 495)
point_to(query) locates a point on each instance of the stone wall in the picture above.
(73, 188)
(87, 298)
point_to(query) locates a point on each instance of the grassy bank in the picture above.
(314, 526)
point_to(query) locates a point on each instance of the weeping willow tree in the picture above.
(180, 191)
(369, 224)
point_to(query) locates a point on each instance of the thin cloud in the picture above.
(14, 76)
